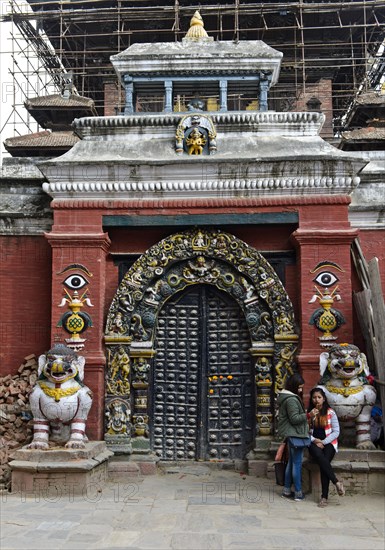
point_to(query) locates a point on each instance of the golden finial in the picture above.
(196, 30)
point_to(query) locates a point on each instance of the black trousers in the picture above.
(324, 457)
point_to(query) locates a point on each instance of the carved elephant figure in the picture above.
(344, 370)
(60, 402)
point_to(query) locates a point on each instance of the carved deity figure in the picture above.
(221, 245)
(141, 370)
(60, 402)
(249, 289)
(201, 269)
(118, 325)
(120, 362)
(119, 372)
(344, 370)
(263, 372)
(284, 324)
(195, 142)
(118, 418)
(199, 241)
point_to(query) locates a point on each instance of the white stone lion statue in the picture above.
(344, 370)
(60, 402)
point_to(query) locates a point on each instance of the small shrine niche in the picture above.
(196, 135)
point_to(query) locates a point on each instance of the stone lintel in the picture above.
(322, 236)
(59, 240)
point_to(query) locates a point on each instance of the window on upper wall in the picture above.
(149, 104)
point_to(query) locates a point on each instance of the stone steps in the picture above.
(132, 467)
(362, 471)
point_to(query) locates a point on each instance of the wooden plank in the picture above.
(370, 308)
(360, 263)
(378, 309)
(363, 308)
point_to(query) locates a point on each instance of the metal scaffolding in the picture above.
(32, 69)
(331, 42)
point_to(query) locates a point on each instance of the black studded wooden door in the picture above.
(202, 384)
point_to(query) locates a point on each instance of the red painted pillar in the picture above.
(324, 256)
(84, 254)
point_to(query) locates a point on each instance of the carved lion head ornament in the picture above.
(60, 364)
(343, 361)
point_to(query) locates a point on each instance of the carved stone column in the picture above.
(168, 96)
(264, 85)
(129, 88)
(140, 389)
(264, 376)
(223, 95)
(118, 425)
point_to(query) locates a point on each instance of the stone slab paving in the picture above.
(189, 509)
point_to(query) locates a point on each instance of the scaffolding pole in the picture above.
(335, 40)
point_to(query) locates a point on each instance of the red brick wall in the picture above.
(25, 299)
(113, 97)
(373, 246)
(322, 90)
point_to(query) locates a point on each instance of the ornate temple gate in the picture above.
(200, 337)
(203, 385)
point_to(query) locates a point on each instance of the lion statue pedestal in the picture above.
(344, 370)
(60, 471)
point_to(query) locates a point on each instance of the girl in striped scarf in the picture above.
(324, 431)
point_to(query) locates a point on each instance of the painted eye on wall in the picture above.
(326, 278)
(75, 282)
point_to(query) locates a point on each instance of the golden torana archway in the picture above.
(194, 257)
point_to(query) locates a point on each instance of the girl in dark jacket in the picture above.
(292, 422)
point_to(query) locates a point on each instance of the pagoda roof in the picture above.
(366, 106)
(58, 101)
(57, 111)
(43, 143)
(370, 133)
(371, 98)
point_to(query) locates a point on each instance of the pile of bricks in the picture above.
(15, 414)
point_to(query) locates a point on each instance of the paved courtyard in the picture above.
(191, 508)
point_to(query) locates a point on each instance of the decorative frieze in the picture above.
(202, 188)
(308, 122)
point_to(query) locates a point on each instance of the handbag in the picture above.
(300, 442)
(280, 468)
(280, 463)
